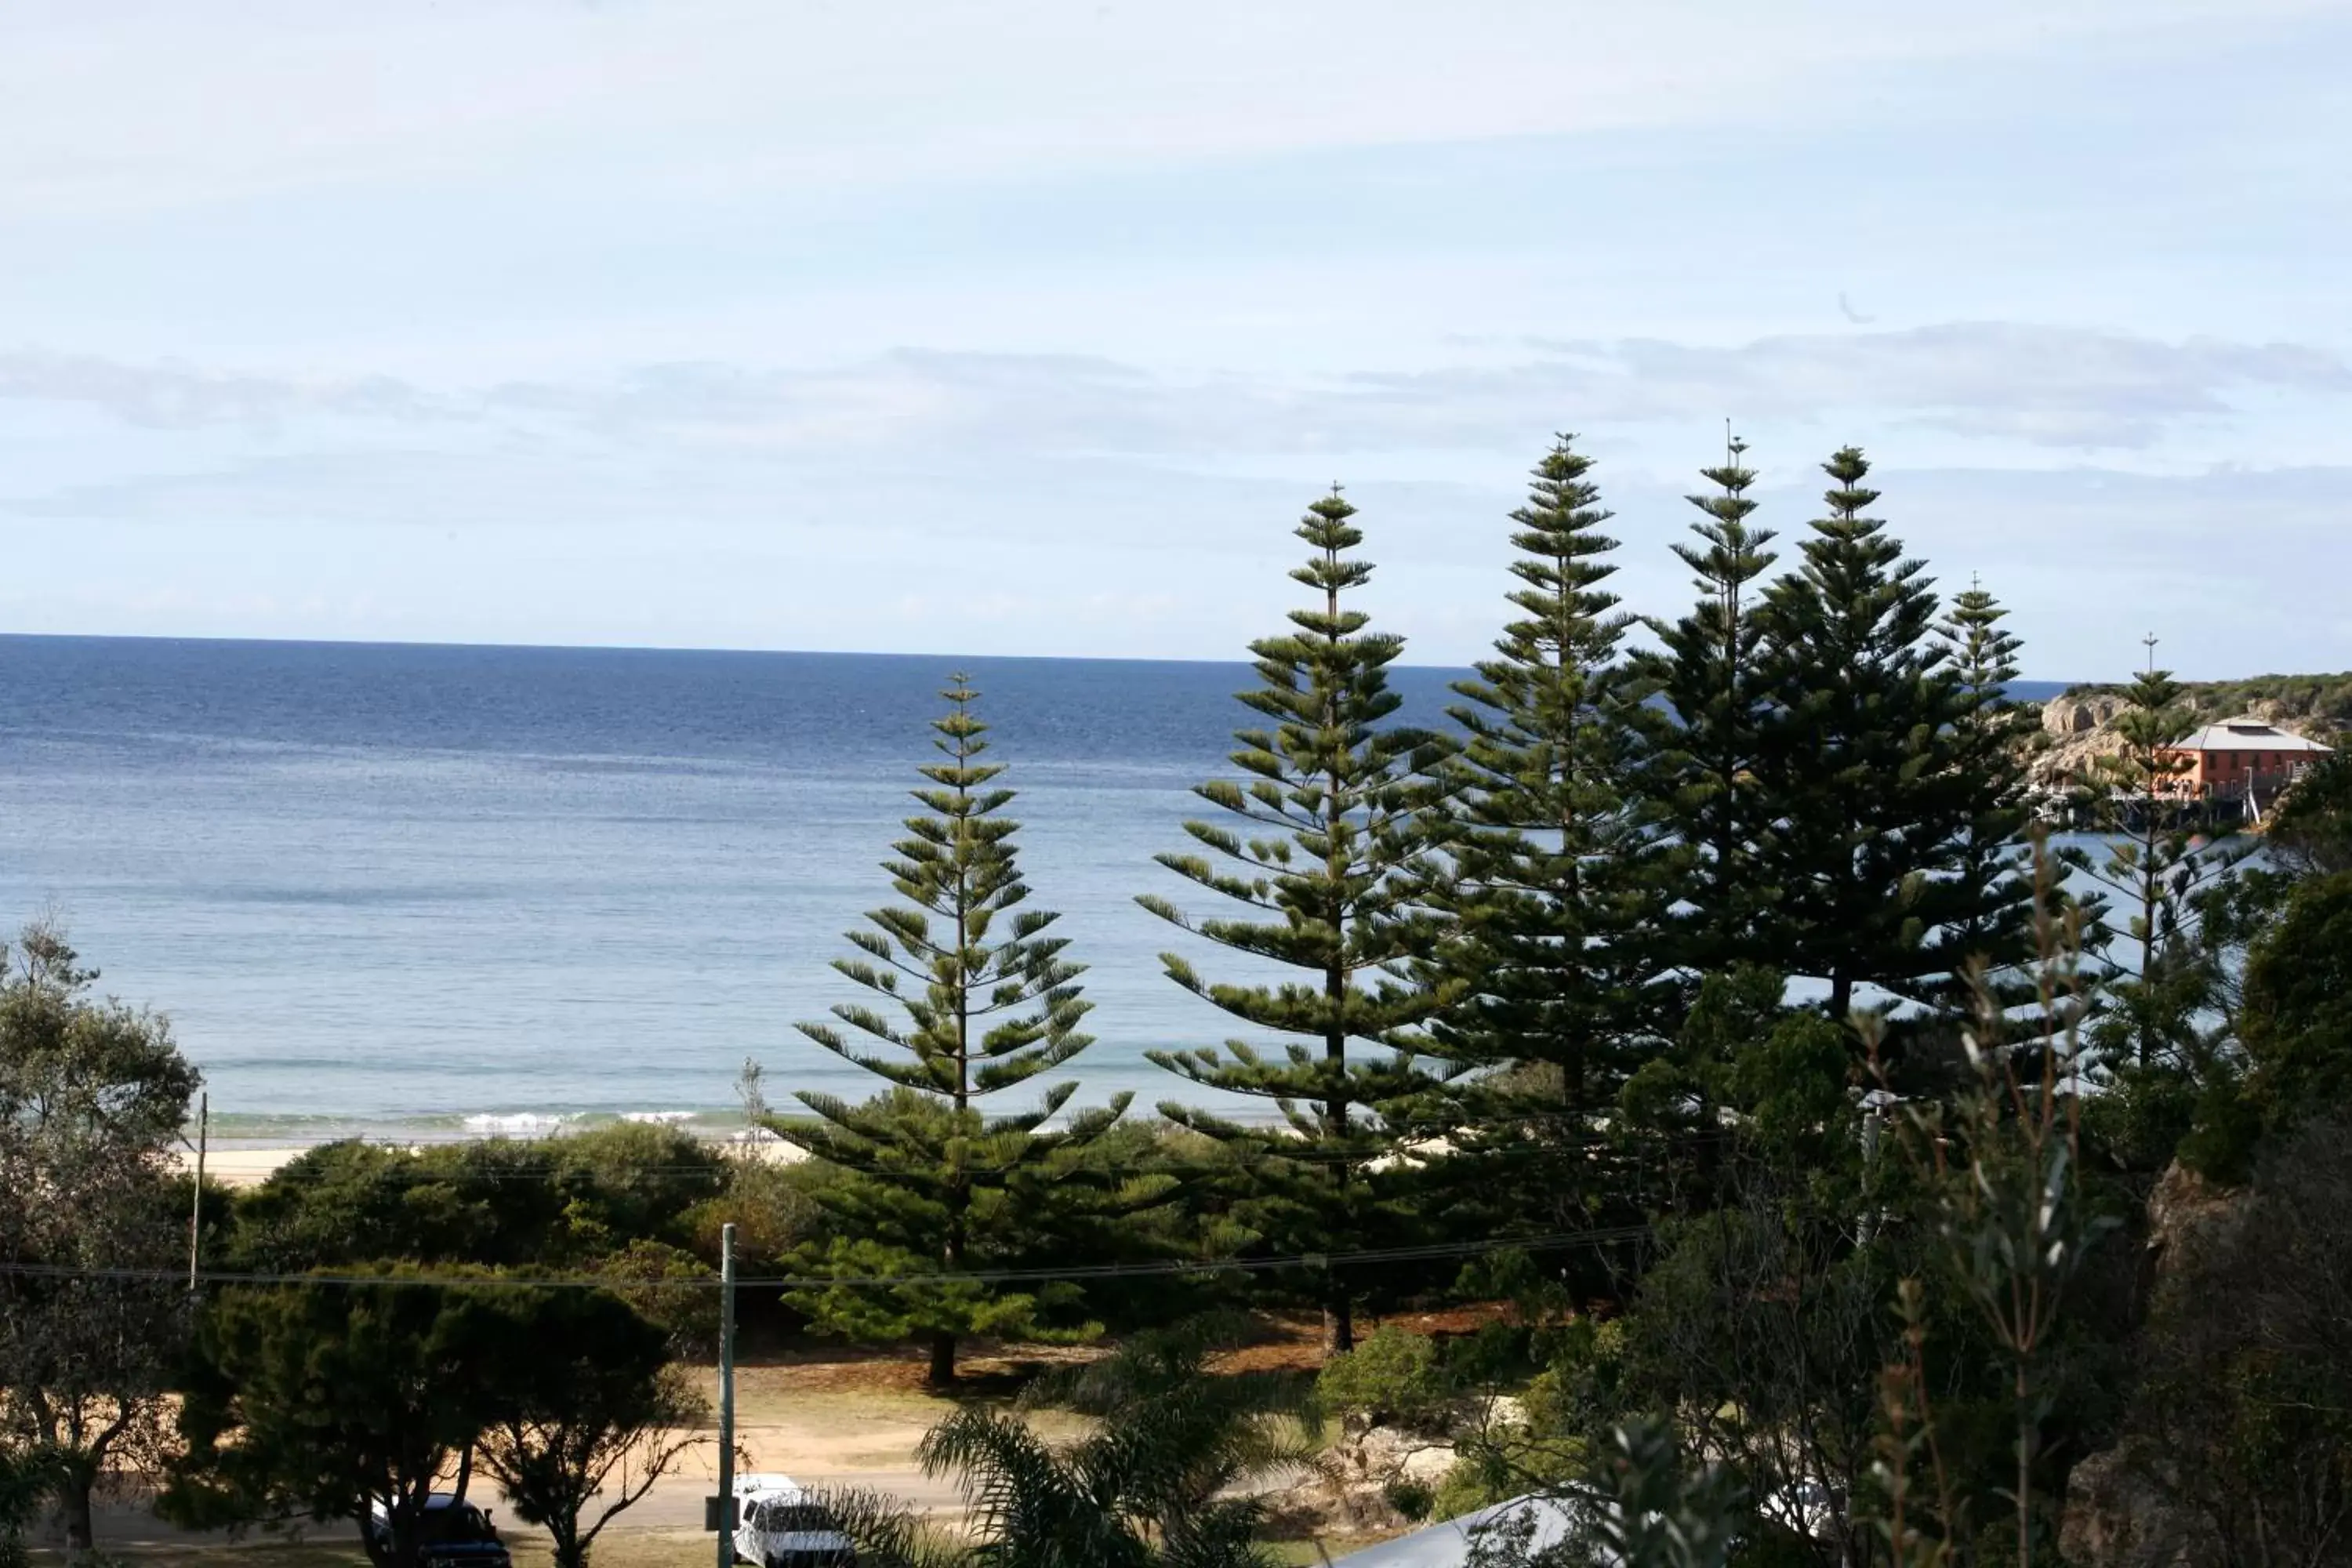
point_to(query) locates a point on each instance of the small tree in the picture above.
(1327, 875)
(24, 1482)
(321, 1401)
(975, 997)
(2000, 1169)
(2159, 860)
(92, 1099)
(1161, 1482)
(592, 1411)
(2309, 832)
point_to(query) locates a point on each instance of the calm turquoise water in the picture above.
(419, 888)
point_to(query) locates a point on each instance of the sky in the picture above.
(1031, 326)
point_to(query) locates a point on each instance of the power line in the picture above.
(1554, 1241)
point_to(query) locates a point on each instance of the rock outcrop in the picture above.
(1350, 1488)
(2079, 727)
(2076, 730)
(2121, 1510)
(2120, 1514)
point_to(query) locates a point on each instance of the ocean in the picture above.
(405, 891)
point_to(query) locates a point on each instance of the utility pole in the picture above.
(196, 1204)
(726, 1396)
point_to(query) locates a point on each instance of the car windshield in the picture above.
(792, 1518)
(462, 1524)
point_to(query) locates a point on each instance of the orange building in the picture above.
(2237, 755)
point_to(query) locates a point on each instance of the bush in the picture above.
(1396, 1376)
(773, 1207)
(497, 1202)
(632, 1182)
(1412, 1499)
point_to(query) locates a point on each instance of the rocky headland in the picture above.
(2078, 725)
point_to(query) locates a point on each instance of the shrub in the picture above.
(1394, 1376)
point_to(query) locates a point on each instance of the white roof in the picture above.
(770, 1485)
(2247, 735)
(1447, 1545)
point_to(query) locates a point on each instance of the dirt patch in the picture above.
(1293, 1342)
(985, 1372)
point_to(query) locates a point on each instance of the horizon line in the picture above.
(458, 646)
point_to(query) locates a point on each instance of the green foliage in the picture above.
(1413, 1499)
(1327, 875)
(2298, 1017)
(1891, 773)
(2139, 1118)
(312, 1400)
(773, 1206)
(2158, 862)
(1394, 1377)
(1699, 783)
(2243, 1416)
(2012, 1229)
(26, 1482)
(670, 1289)
(92, 1098)
(555, 1203)
(589, 1414)
(2323, 700)
(315, 1401)
(973, 995)
(1986, 917)
(1644, 1505)
(1160, 1480)
(1548, 884)
(1762, 1325)
(2309, 832)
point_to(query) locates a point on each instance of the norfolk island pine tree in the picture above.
(2158, 862)
(1697, 780)
(1326, 859)
(974, 996)
(1548, 886)
(1900, 861)
(1992, 855)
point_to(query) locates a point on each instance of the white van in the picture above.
(779, 1525)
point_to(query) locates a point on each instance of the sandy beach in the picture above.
(241, 1164)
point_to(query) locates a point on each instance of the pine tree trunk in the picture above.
(1339, 1325)
(943, 1374)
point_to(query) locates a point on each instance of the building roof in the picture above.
(2247, 734)
(1449, 1545)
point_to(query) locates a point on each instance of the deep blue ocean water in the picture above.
(414, 889)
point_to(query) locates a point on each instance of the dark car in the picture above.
(452, 1534)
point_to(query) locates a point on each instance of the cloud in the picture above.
(2058, 388)
(174, 396)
